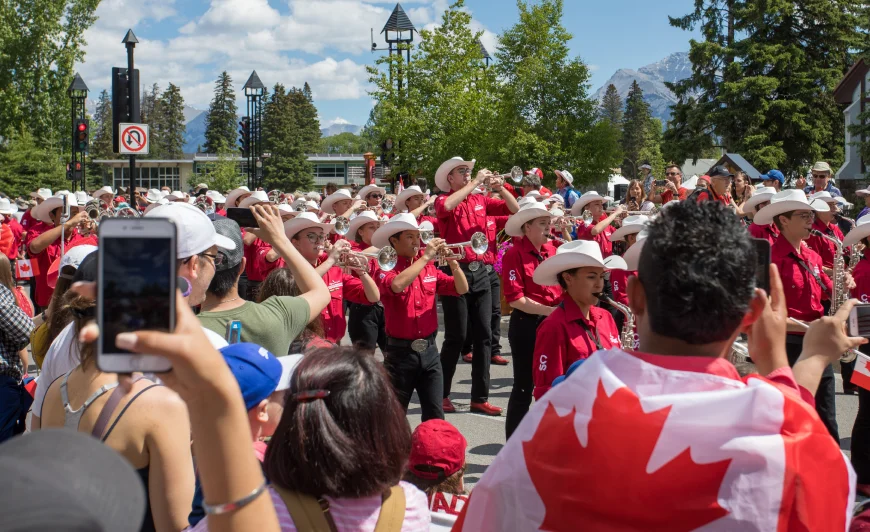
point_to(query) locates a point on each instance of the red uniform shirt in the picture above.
(222, 212)
(467, 218)
(803, 295)
(584, 232)
(824, 247)
(48, 255)
(251, 252)
(412, 313)
(259, 268)
(494, 224)
(518, 265)
(768, 232)
(28, 221)
(668, 195)
(619, 284)
(861, 274)
(7, 242)
(17, 232)
(566, 336)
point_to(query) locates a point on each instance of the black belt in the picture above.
(418, 346)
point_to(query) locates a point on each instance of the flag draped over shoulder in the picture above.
(624, 444)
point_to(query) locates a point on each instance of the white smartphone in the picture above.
(135, 288)
(859, 321)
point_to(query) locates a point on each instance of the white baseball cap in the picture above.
(43, 193)
(7, 207)
(196, 233)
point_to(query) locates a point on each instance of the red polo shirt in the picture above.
(619, 284)
(341, 285)
(17, 233)
(584, 232)
(861, 274)
(412, 313)
(494, 224)
(825, 248)
(768, 232)
(251, 252)
(48, 255)
(467, 218)
(259, 268)
(803, 295)
(28, 221)
(668, 195)
(518, 265)
(710, 195)
(562, 339)
(7, 242)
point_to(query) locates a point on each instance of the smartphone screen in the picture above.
(243, 217)
(661, 182)
(136, 286)
(859, 321)
(762, 264)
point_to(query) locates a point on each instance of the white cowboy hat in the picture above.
(576, 254)
(760, 195)
(368, 189)
(859, 232)
(104, 190)
(555, 198)
(690, 184)
(533, 194)
(566, 175)
(528, 212)
(41, 211)
(841, 201)
(587, 198)
(176, 195)
(426, 225)
(360, 220)
(161, 201)
(824, 196)
(864, 192)
(786, 201)
(631, 224)
(216, 196)
(632, 254)
(82, 197)
(398, 223)
(256, 197)
(153, 196)
(447, 167)
(304, 220)
(404, 196)
(287, 209)
(527, 201)
(43, 193)
(233, 196)
(7, 207)
(339, 195)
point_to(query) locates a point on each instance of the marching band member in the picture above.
(413, 199)
(372, 196)
(307, 235)
(105, 194)
(219, 201)
(577, 327)
(265, 259)
(235, 196)
(803, 279)
(631, 226)
(530, 302)
(255, 273)
(365, 323)
(461, 214)
(823, 224)
(600, 228)
(758, 201)
(339, 203)
(411, 317)
(39, 195)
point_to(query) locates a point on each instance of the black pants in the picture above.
(495, 322)
(409, 371)
(474, 308)
(861, 438)
(826, 404)
(846, 369)
(365, 325)
(521, 335)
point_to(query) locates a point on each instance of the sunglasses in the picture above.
(819, 176)
(376, 195)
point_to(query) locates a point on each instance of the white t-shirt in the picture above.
(63, 355)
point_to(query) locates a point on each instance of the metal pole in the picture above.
(134, 118)
(72, 169)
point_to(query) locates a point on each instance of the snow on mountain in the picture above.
(652, 78)
(339, 127)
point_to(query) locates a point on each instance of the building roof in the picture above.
(736, 161)
(846, 88)
(398, 21)
(698, 167)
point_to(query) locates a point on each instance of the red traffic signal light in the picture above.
(82, 126)
(80, 142)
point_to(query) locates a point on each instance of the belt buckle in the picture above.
(473, 266)
(419, 345)
(489, 268)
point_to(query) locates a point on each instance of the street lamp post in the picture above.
(398, 24)
(78, 93)
(254, 90)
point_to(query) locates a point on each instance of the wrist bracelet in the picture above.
(218, 509)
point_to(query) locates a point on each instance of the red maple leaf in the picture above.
(606, 485)
(25, 268)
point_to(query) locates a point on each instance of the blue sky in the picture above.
(326, 42)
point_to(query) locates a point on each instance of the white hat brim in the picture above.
(381, 238)
(41, 211)
(291, 227)
(404, 196)
(329, 201)
(629, 229)
(233, 196)
(368, 189)
(514, 225)
(765, 215)
(547, 273)
(447, 167)
(249, 201)
(632, 255)
(857, 233)
(224, 242)
(358, 222)
(756, 199)
(585, 200)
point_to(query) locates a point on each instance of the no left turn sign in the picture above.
(134, 139)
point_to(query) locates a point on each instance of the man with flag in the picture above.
(670, 437)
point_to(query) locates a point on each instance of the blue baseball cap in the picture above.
(258, 372)
(773, 174)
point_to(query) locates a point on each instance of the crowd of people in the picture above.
(626, 409)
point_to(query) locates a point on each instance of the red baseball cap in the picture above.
(705, 178)
(437, 443)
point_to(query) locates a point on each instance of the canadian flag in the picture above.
(23, 269)
(627, 444)
(400, 187)
(861, 374)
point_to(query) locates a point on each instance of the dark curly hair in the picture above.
(697, 268)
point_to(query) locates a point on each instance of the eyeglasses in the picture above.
(672, 173)
(806, 216)
(217, 258)
(462, 171)
(315, 238)
(376, 195)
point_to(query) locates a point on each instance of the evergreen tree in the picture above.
(287, 168)
(611, 106)
(224, 174)
(220, 120)
(25, 166)
(101, 139)
(146, 106)
(635, 131)
(169, 112)
(149, 113)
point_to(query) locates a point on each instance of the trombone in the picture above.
(386, 257)
(478, 244)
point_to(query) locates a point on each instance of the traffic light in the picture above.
(82, 134)
(245, 135)
(74, 170)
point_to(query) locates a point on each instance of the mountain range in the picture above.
(652, 78)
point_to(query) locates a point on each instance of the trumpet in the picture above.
(478, 244)
(426, 236)
(341, 224)
(848, 356)
(387, 205)
(125, 211)
(274, 196)
(386, 257)
(301, 207)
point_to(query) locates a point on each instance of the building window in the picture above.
(150, 177)
(329, 172)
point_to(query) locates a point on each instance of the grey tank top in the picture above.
(72, 418)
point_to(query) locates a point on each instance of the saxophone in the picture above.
(839, 294)
(626, 335)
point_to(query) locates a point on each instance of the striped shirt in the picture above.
(355, 514)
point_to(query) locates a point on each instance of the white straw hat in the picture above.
(7, 207)
(528, 212)
(859, 232)
(631, 225)
(576, 254)
(304, 220)
(256, 197)
(216, 196)
(760, 195)
(104, 190)
(368, 189)
(787, 201)
(339, 195)
(151, 207)
(43, 193)
(153, 196)
(360, 220)
(447, 167)
(235, 194)
(566, 175)
(586, 199)
(41, 212)
(398, 223)
(632, 254)
(404, 196)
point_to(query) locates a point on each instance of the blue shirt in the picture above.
(569, 195)
(831, 189)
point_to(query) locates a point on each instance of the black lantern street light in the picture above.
(78, 93)
(398, 33)
(486, 57)
(254, 90)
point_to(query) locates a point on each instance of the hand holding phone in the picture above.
(242, 216)
(762, 263)
(859, 320)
